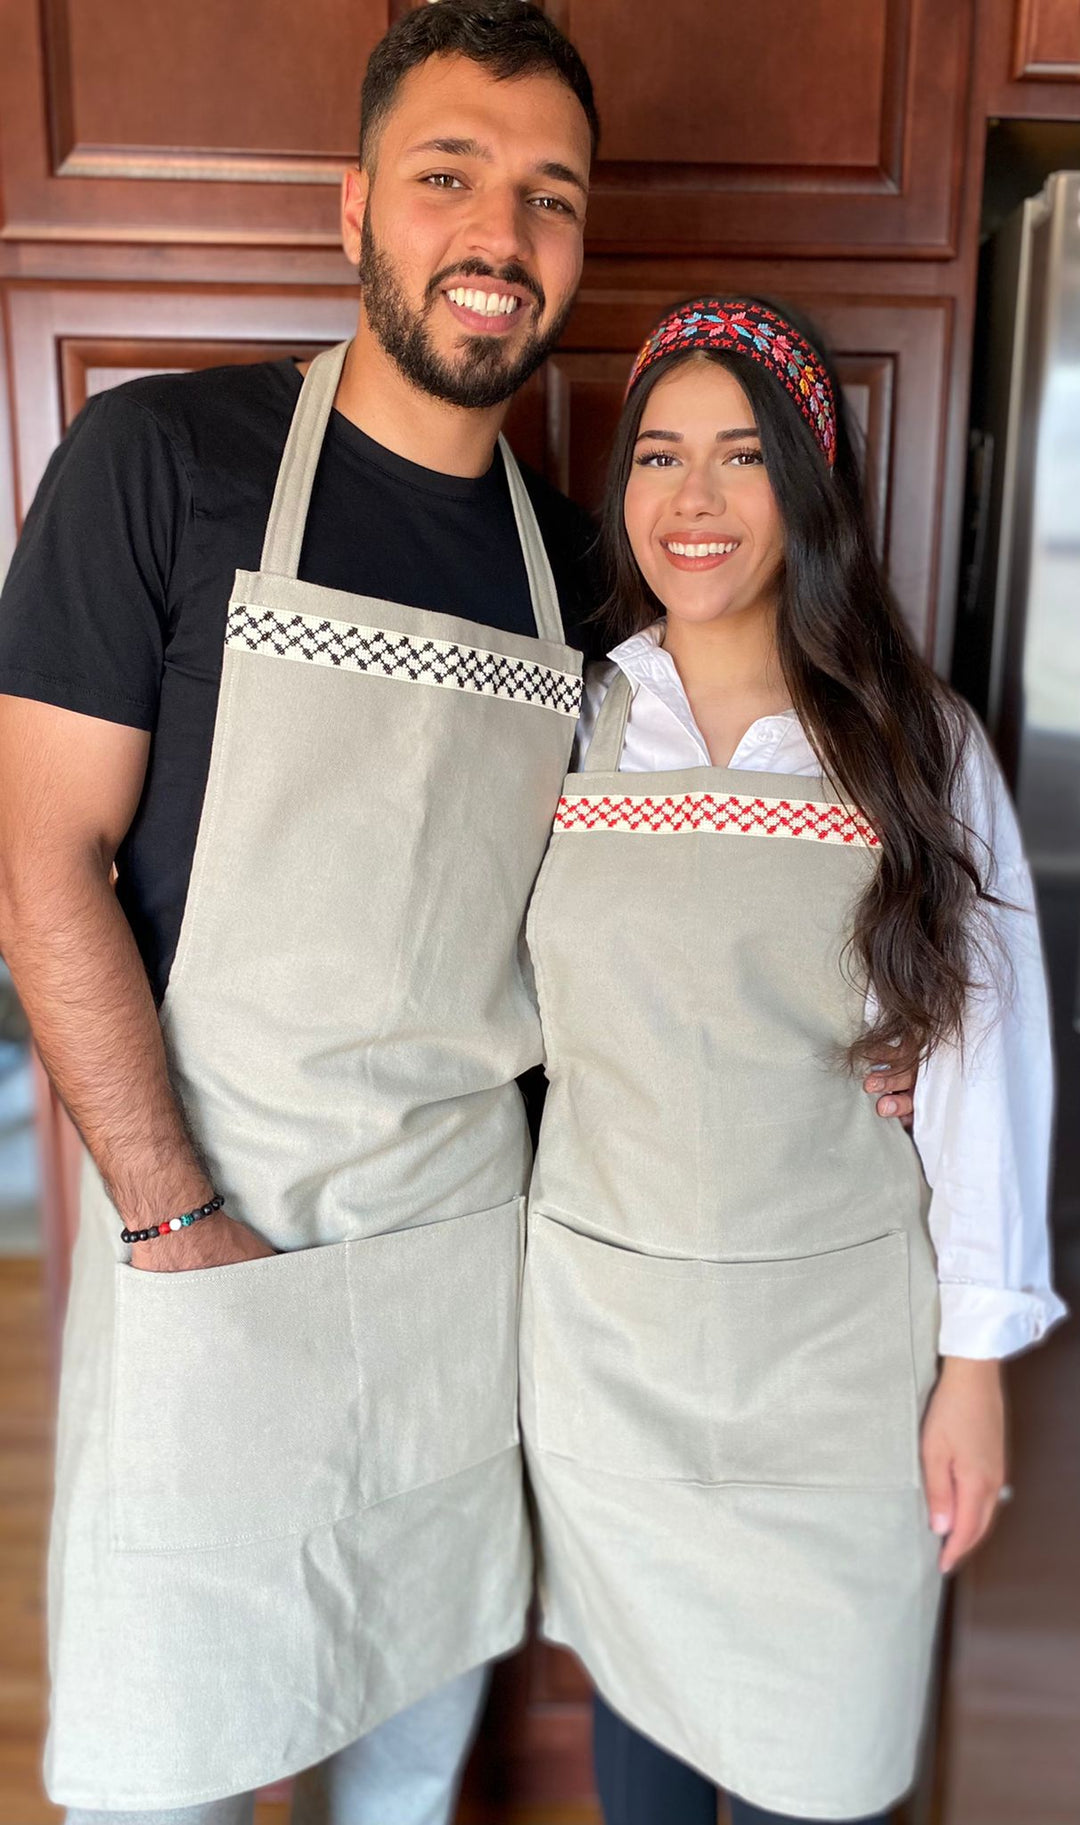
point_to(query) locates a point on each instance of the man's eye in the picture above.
(554, 205)
(441, 180)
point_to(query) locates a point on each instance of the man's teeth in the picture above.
(487, 303)
(712, 550)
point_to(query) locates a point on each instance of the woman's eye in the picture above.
(744, 457)
(655, 459)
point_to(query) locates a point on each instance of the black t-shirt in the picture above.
(116, 599)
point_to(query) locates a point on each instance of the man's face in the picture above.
(468, 233)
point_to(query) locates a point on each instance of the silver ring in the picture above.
(1005, 1493)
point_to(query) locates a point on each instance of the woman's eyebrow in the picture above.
(722, 437)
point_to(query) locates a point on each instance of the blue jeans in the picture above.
(404, 1772)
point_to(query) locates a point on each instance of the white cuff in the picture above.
(992, 1321)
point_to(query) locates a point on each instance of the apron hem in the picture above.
(101, 1800)
(767, 1799)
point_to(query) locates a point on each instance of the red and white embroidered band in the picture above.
(685, 813)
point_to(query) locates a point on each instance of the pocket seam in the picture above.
(358, 1502)
(894, 1248)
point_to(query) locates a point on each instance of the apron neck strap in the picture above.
(545, 597)
(299, 461)
(296, 475)
(605, 749)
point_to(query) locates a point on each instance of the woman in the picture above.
(750, 1467)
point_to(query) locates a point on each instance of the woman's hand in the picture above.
(894, 1091)
(963, 1454)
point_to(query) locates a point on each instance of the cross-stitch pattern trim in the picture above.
(348, 647)
(737, 815)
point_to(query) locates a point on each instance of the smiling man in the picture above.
(298, 653)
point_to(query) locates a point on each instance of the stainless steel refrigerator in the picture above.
(1018, 633)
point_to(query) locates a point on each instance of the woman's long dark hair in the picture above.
(888, 733)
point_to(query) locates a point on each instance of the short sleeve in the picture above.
(84, 609)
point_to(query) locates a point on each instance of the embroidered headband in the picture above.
(736, 326)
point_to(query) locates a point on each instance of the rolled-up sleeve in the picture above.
(983, 1111)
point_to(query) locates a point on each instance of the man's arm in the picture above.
(69, 788)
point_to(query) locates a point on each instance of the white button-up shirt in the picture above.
(982, 1119)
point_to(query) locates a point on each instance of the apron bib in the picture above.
(730, 1312)
(289, 1497)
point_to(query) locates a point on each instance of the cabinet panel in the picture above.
(67, 341)
(140, 89)
(1047, 41)
(122, 120)
(825, 129)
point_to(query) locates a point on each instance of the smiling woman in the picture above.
(749, 1467)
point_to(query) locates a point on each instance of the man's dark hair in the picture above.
(508, 37)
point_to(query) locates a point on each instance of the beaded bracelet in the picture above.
(162, 1229)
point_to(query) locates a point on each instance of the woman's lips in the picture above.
(699, 554)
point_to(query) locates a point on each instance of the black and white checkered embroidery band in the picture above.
(348, 647)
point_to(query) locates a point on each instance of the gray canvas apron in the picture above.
(289, 1491)
(730, 1309)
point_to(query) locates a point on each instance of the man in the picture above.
(289, 1529)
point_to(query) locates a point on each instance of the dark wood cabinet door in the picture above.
(826, 129)
(136, 120)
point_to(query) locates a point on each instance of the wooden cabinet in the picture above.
(825, 129)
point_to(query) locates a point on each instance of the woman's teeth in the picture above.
(711, 550)
(487, 303)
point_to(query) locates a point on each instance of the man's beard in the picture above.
(485, 373)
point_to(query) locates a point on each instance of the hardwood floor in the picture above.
(25, 1477)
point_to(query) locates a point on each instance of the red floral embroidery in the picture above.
(736, 815)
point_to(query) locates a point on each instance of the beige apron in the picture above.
(289, 1492)
(730, 1307)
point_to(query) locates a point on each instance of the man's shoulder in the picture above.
(207, 408)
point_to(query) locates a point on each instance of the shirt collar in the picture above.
(647, 663)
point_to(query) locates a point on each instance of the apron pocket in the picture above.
(794, 1371)
(435, 1316)
(235, 1408)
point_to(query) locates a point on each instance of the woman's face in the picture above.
(700, 514)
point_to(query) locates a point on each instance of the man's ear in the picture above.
(355, 188)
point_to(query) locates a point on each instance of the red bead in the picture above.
(163, 1229)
